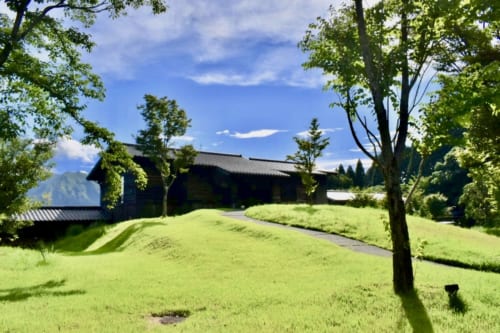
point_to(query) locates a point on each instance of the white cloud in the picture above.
(184, 138)
(74, 150)
(250, 42)
(262, 133)
(323, 131)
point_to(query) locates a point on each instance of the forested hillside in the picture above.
(67, 189)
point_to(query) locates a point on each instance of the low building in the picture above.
(51, 222)
(215, 180)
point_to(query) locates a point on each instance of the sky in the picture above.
(232, 65)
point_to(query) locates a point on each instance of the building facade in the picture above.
(214, 181)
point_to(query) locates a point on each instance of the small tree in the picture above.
(309, 149)
(164, 122)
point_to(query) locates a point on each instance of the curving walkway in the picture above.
(349, 243)
(342, 241)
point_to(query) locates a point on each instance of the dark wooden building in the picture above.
(214, 181)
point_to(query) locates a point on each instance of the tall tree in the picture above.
(359, 175)
(44, 83)
(341, 169)
(351, 174)
(165, 121)
(377, 58)
(308, 150)
(23, 164)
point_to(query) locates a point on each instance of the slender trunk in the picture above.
(164, 209)
(401, 251)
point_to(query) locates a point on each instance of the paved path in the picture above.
(349, 243)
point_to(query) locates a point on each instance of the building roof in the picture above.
(343, 196)
(231, 163)
(63, 214)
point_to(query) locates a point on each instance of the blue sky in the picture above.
(234, 66)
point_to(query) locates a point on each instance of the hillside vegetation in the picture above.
(429, 240)
(228, 276)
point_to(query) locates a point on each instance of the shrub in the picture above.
(363, 199)
(433, 206)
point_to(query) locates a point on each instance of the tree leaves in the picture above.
(165, 121)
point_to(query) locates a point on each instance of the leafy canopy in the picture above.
(23, 164)
(165, 121)
(469, 100)
(44, 83)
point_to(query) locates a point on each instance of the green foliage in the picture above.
(363, 199)
(23, 164)
(469, 98)
(165, 121)
(309, 149)
(479, 205)
(448, 178)
(255, 279)
(433, 206)
(339, 181)
(44, 83)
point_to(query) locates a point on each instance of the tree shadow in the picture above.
(39, 290)
(416, 313)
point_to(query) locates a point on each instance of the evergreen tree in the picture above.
(309, 149)
(350, 173)
(359, 175)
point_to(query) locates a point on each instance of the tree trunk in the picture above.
(164, 209)
(402, 269)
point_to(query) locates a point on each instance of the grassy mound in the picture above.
(225, 275)
(430, 240)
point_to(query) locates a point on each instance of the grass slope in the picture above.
(430, 240)
(230, 276)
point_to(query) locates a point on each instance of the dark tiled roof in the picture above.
(230, 163)
(63, 214)
(284, 166)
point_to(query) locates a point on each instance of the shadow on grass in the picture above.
(456, 303)
(40, 290)
(117, 242)
(416, 313)
(79, 242)
(309, 209)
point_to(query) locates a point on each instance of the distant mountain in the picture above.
(67, 189)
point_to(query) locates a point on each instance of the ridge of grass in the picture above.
(442, 243)
(230, 276)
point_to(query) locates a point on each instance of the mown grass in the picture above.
(430, 240)
(230, 276)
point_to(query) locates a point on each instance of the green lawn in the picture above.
(439, 242)
(231, 276)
